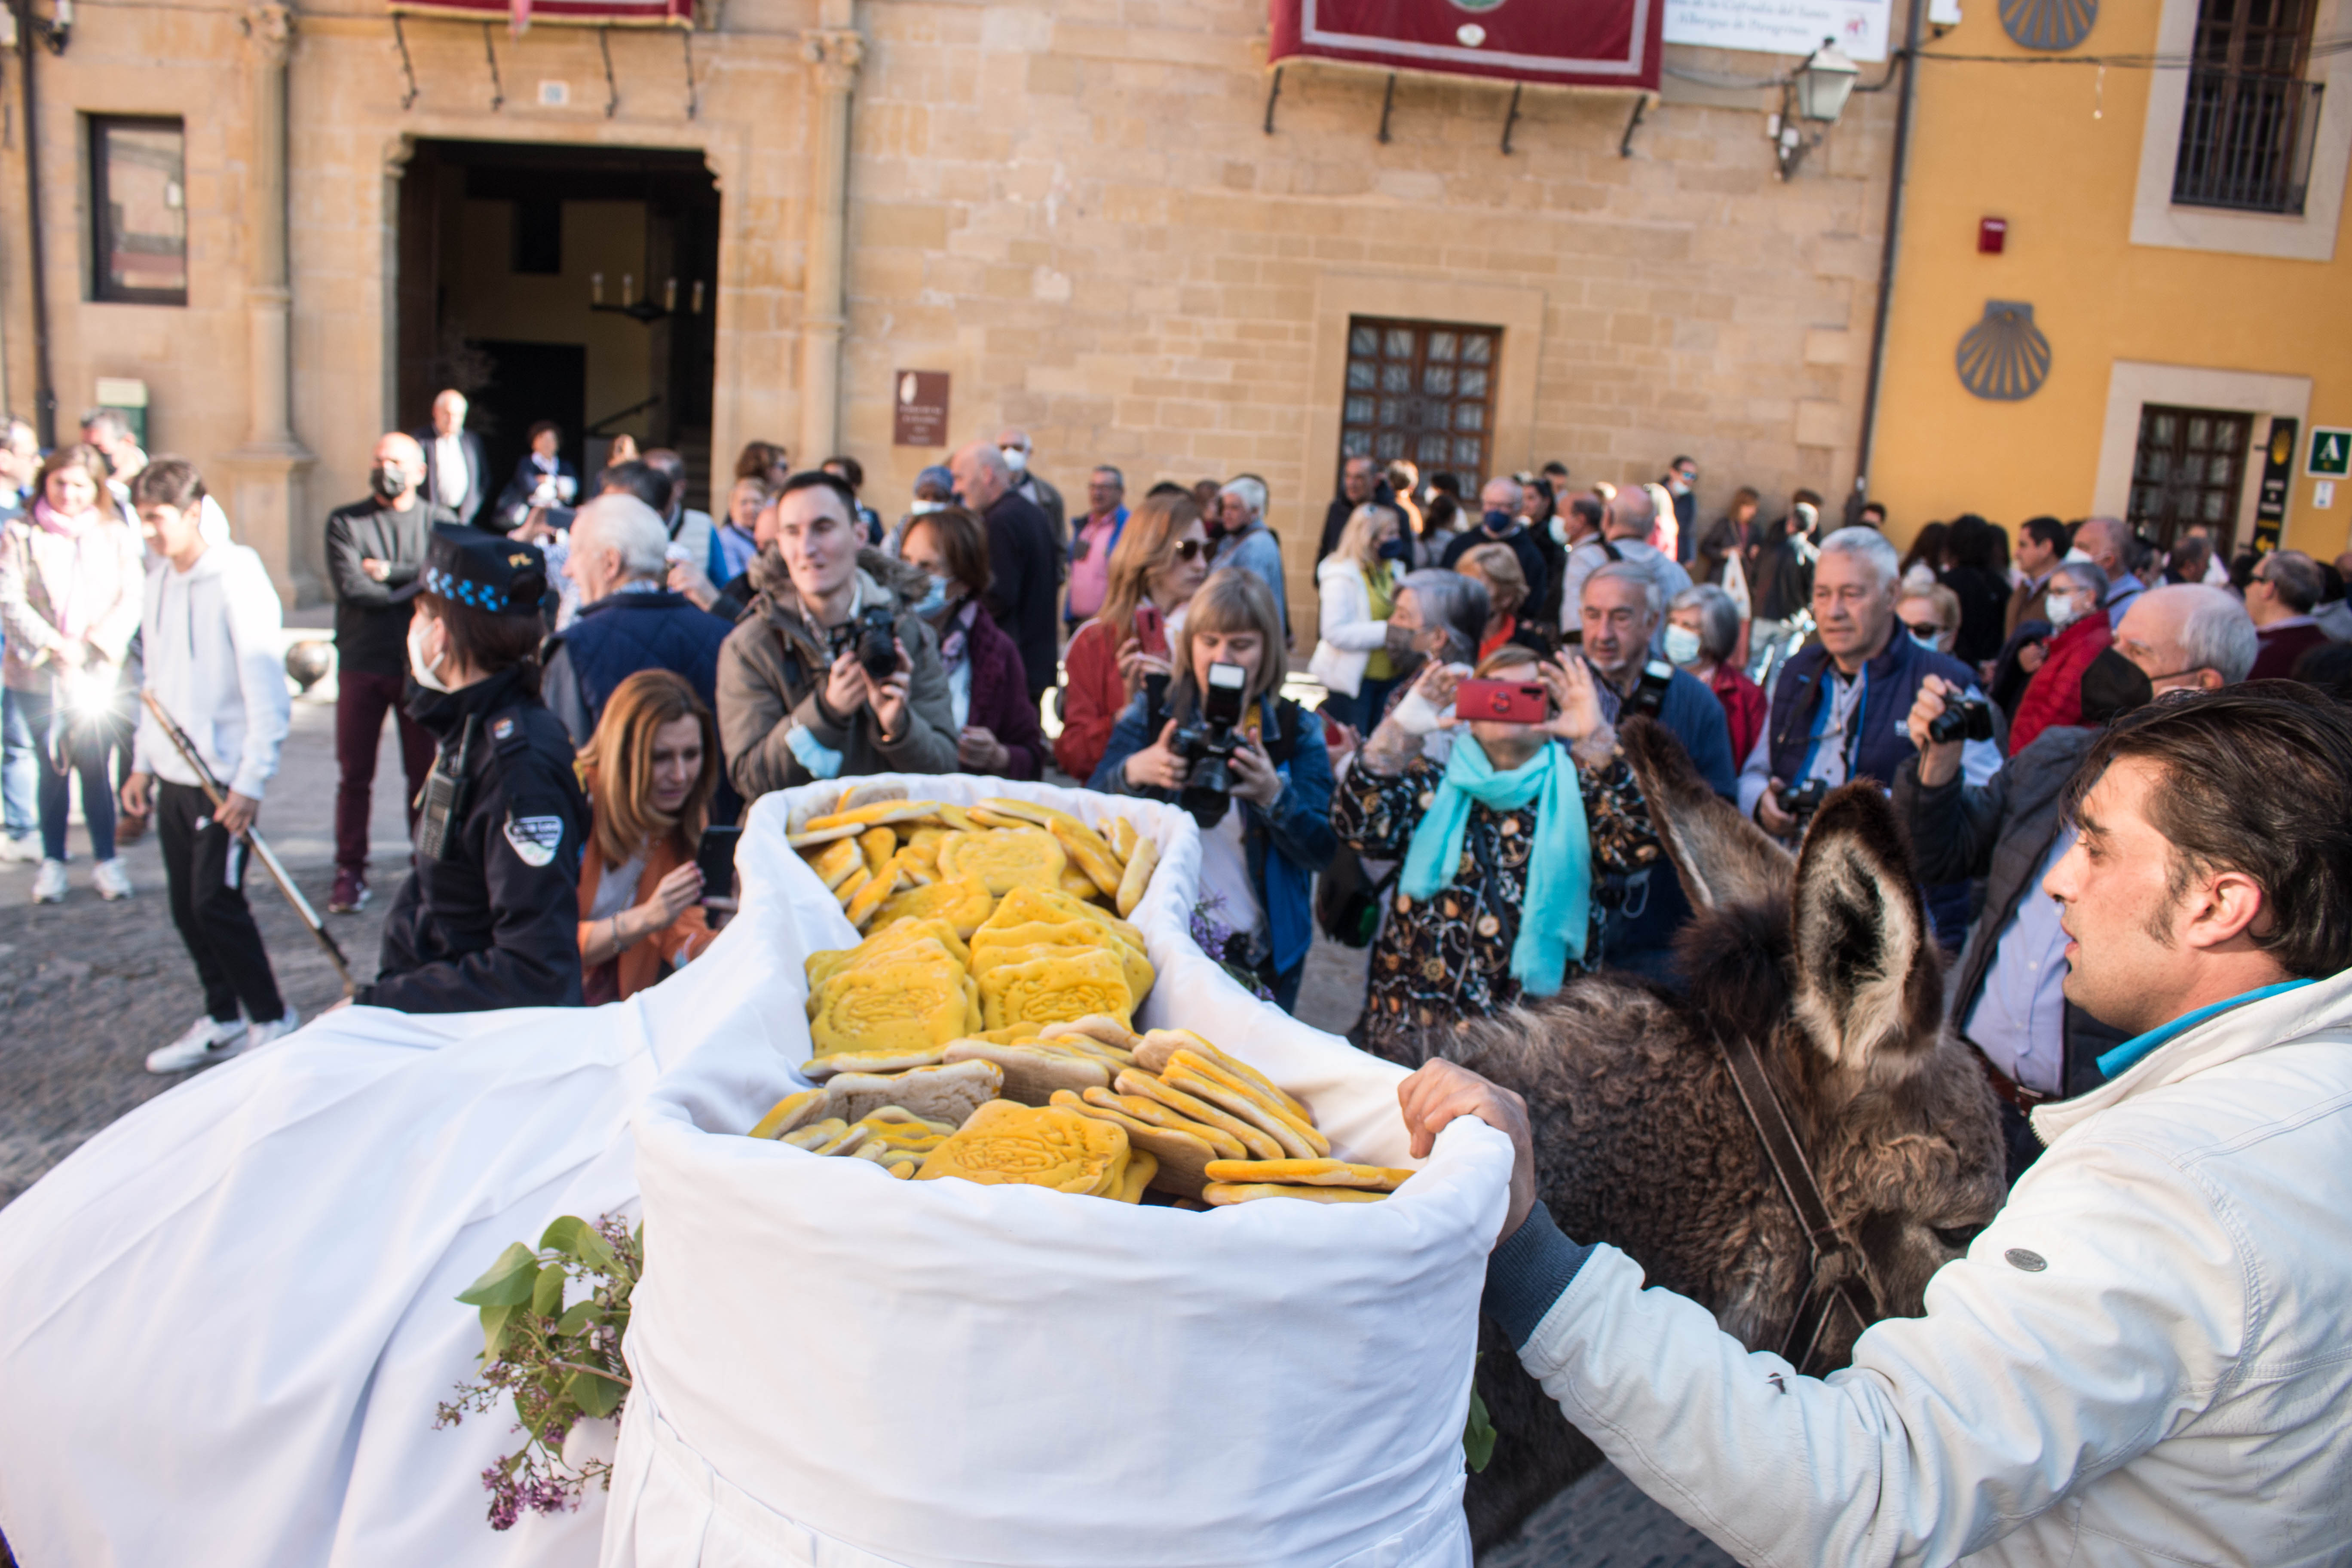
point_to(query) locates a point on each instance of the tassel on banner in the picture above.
(518, 17)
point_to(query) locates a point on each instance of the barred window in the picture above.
(139, 209)
(2190, 468)
(1420, 390)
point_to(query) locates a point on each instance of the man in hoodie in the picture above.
(2141, 1358)
(209, 625)
(796, 702)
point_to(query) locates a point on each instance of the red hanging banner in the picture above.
(1564, 42)
(520, 14)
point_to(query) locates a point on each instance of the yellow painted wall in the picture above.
(2057, 152)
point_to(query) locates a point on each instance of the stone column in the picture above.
(266, 509)
(835, 51)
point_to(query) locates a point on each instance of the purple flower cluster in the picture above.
(509, 1496)
(1219, 941)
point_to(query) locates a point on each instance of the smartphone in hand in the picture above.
(716, 857)
(1502, 701)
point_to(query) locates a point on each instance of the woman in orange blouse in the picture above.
(649, 770)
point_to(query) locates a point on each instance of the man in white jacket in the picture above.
(209, 630)
(2142, 1358)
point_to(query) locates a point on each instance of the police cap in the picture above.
(489, 571)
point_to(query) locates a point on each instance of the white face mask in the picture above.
(2065, 610)
(418, 666)
(1682, 644)
(1558, 531)
(925, 507)
(1015, 459)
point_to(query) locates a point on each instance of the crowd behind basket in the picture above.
(591, 680)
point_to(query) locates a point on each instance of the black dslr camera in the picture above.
(874, 633)
(1207, 743)
(1969, 721)
(1801, 803)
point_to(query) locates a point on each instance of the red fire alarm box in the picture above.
(1992, 235)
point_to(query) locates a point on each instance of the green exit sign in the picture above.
(2331, 453)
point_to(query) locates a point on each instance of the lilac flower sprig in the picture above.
(1220, 941)
(559, 1365)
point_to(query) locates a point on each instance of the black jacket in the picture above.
(371, 629)
(1522, 544)
(1023, 583)
(2002, 831)
(477, 475)
(495, 921)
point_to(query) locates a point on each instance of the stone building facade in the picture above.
(1076, 210)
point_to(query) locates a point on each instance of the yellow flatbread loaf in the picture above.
(1083, 845)
(867, 902)
(1143, 1166)
(1152, 1051)
(1051, 904)
(877, 844)
(813, 1133)
(1000, 941)
(1136, 880)
(789, 1113)
(1097, 1026)
(1253, 1140)
(1222, 1144)
(1046, 990)
(1003, 859)
(950, 1092)
(902, 940)
(847, 889)
(1227, 1192)
(1123, 840)
(1194, 1076)
(1032, 1073)
(1309, 1173)
(877, 815)
(835, 861)
(889, 1005)
(1076, 883)
(963, 902)
(817, 1069)
(1004, 1143)
(1182, 1158)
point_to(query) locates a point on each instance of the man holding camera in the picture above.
(1840, 709)
(2009, 1002)
(831, 673)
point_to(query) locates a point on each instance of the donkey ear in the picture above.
(1869, 980)
(1721, 856)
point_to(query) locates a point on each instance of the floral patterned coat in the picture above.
(1447, 959)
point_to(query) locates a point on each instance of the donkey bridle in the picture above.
(1825, 1289)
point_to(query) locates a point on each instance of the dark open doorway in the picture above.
(508, 250)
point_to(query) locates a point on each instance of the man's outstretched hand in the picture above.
(1442, 1090)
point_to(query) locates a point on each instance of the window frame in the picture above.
(1420, 363)
(102, 288)
(2167, 528)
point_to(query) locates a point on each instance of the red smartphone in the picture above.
(1149, 628)
(1507, 702)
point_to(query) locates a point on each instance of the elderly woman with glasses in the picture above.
(1160, 562)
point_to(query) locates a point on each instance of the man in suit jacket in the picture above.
(457, 470)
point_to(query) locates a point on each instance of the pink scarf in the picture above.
(73, 606)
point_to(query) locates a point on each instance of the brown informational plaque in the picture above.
(918, 408)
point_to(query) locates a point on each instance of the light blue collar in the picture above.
(2131, 1051)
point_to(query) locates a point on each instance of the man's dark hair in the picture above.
(548, 426)
(1875, 509)
(1678, 462)
(1555, 468)
(1971, 542)
(2049, 529)
(1167, 487)
(1116, 476)
(1807, 497)
(1446, 484)
(849, 468)
(2255, 779)
(1589, 509)
(638, 478)
(812, 479)
(168, 482)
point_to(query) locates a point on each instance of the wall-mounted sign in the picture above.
(2004, 358)
(2331, 453)
(1593, 43)
(918, 408)
(2278, 479)
(1780, 26)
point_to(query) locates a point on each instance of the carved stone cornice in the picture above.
(270, 27)
(836, 54)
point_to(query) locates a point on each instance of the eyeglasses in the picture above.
(1927, 629)
(1187, 548)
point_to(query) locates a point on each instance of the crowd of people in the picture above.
(585, 674)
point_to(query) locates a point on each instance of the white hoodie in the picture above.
(209, 639)
(2141, 1360)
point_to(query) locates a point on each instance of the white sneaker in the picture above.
(20, 851)
(259, 1035)
(111, 878)
(49, 883)
(208, 1040)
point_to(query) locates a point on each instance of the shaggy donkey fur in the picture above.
(1829, 966)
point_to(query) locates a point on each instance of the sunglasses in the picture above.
(1928, 629)
(1187, 548)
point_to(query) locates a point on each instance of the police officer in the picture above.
(490, 917)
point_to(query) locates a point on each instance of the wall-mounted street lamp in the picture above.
(1815, 92)
(643, 310)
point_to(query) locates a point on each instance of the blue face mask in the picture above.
(1928, 643)
(1397, 548)
(1498, 520)
(936, 600)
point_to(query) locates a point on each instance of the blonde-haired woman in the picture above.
(1356, 587)
(1161, 557)
(1262, 846)
(1495, 568)
(650, 768)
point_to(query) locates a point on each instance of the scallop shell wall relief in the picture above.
(2049, 24)
(2005, 357)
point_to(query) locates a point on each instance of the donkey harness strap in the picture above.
(1823, 1235)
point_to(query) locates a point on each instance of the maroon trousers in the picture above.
(360, 706)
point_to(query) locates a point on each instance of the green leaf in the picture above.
(508, 1282)
(580, 1317)
(547, 1293)
(563, 1235)
(596, 1251)
(494, 1329)
(595, 1395)
(1477, 1433)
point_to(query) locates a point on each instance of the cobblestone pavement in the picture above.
(88, 988)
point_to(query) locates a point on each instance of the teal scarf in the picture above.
(1559, 908)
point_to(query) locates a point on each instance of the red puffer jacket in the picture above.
(2055, 695)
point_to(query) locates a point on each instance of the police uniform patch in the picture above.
(501, 728)
(535, 839)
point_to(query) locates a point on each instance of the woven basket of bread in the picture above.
(835, 1364)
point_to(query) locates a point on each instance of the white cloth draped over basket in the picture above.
(833, 1367)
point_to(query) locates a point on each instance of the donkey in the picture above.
(1828, 965)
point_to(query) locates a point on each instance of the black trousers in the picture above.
(206, 870)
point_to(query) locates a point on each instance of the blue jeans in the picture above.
(19, 769)
(93, 743)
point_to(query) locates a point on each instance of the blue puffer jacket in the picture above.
(1298, 829)
(619, 635)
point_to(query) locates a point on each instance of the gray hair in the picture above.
(1718, 618)
(1870, 545)
(1652, 600)
(1252, 490)
(2295, 578)
(1116, 476)
(1451, 601)
(2215, 634)
(2089, 574)
(989, 456)
(1518, 492)
(1630, 512)
(109, 422)
(619, 521)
